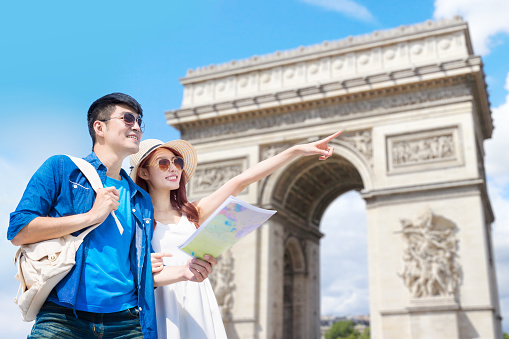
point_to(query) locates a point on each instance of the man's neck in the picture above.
(111, 160)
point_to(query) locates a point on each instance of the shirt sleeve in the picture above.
(39, 197)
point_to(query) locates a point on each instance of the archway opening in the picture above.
(344, 283)
(301, 195)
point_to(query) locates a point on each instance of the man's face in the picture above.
(121, 136)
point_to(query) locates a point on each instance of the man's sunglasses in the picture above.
(164, 164)
(129, 120)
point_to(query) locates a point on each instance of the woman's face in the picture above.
(160, 178)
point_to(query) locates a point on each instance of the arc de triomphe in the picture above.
(414, 111)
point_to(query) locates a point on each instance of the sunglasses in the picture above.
(164, 164)
(129, 120)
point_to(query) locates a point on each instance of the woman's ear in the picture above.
(143, 173)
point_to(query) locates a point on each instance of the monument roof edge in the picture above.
(214, 70)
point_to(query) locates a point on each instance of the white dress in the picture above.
(185, 309)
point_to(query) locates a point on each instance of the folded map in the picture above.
(229, 223)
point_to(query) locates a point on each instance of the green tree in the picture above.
(506, 336)
(365, 334)
(342, 330)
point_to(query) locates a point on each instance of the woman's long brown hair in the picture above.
(178, 197)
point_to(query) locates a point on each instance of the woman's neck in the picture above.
(163, 210)
(161, 201)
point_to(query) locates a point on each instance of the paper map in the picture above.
(232, 221)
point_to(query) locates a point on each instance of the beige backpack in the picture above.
(42, 265)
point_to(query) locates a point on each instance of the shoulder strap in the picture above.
(93, 177)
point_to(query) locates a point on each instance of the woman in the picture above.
(188, 309)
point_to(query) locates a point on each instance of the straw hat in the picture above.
(148, 146)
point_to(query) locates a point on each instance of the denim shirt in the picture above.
(59, 189)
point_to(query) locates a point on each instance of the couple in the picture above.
(110, 292)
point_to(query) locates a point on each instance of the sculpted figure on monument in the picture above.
(222, 283)
(423, 150)
(209, 179)
(430, 268)
(360, 140)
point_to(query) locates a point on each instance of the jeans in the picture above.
(55, 321)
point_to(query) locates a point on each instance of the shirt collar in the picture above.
(99, 166)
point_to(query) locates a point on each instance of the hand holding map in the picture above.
(231, 221)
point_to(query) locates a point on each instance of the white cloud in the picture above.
(497, 161)
(500, 236)
(343, 257)
(497, 170)
(346, 7)
(486, 19)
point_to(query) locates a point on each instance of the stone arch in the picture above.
(413, 106)
(345, 157)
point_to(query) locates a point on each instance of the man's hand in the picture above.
(106, 201)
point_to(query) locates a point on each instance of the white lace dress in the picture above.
(184, 309)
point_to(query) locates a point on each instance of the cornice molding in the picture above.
(350, 42)
(376, 83)
(374, 57)
(354, 105)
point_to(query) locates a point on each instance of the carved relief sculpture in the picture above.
(427, 149)
(222, 283)
(209, 177)
(361, 141)
(430, 266)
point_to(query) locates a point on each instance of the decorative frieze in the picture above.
(430, 258)
(210, 176)
(424, 150)
(336, 109)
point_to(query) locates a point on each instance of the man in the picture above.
(109, 293)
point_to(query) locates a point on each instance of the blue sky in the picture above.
(58, 57)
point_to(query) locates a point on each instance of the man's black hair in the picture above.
(102, 108)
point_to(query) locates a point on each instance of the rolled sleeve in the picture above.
(39, 196)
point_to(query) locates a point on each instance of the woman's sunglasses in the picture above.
(129, 120)
(164, 164)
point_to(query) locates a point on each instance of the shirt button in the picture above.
(146, 221)
(139, 308)
(75, 186)
(134, 210)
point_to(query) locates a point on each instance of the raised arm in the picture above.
(234, 186)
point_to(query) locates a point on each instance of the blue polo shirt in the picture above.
(57, 189)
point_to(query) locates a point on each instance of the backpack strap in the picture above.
(93, 178)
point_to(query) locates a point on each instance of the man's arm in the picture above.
(44, 228)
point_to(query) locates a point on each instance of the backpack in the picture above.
(42, 265)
